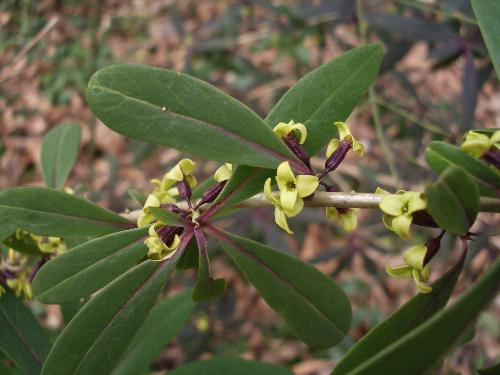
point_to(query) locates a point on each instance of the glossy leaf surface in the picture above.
(487, 14)
(230, 366)
(58, 154)
(89, 267)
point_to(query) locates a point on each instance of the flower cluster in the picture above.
(15, 273)
(481, 145)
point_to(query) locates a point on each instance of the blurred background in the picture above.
(436, 82)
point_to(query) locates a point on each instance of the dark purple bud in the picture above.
(337, 157)
(424, 219)
(492, 156)
(184, 189)
(167, 233)
(432, 246)
(211, 193)
(37, 267)
(297, 149)
(174, 208)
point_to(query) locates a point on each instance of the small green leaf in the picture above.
(325, 95)
(488, 13)
(100, 332)
(422, 348)
(164, 321)
(230, 366)
(190, 257)
(316, 309)
(157, 106)
(440, 155)
(50, 212)
(6, 230)
(21, 337)
(166, 216)
(58, 155)
(453, 200)
(405, 319)
(89, 267)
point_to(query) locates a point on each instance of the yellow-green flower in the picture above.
(157, 249)
(477, 144)
(292, 189)
(223, 173)
(183, 169)
(50, 245)
(399, 209)
(413, 267)
(283, 129)
(344, 134)
(146, 217)
(21, 284)
(348, 217)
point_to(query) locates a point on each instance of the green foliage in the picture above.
(488, 13)
(89, 267)
(162, 323)
(453, 200)
(419, 350)
(53, 213)
(100, 332)
(59, 151)
(157, 106)
(440, 155)
(407, 318)
(165, 216)
(316, 309)
(21, 337)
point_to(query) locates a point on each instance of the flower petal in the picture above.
(187, 166)
(269, 194)
(223, 173)
(302, 130)
(331, 213)
(288, 199)
(398, 271)
(332, 146)
(175, 174)
(282, 129)
(285, 173)
(421, 286)
(393, 204)
(387, 220)
(280, 218)
(343, 129)
(415, 256)
(349, 220)
(306, 185)
(299, 205)
(401, 225)
(415, 202)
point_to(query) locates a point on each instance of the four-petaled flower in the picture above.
(414, 267)
(399, 209)
(157, 249)
(283, 129)
(291, 191)
(344, 135)
(477, 144)
(348, 217)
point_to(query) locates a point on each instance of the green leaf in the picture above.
(440, 155)
(325, 95)
(189, 258)
(316, 309)
(453, 200)
(25, 244)
(53, 213)
(230, 366)
(206, 288)
(89, 267)
(405, 319)
(158, 106)
(166, 216)
(422, 348)
(488, 13)
(58, 155)
(6, 230)
(100, 332)
(165, 320)
(137, 196)
(21, 337)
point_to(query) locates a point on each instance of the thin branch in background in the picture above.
(372, 96)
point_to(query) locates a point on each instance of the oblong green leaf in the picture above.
(58, 154)
(230, 366)
(163, 322)
(166, 216)
(179, 111)
(316, 309)
(327, 94)
(440, 155)
(89, 267)
(419, 350)
(99, 333)
(488, 14)
(53, 213)
(21, 337)
(453, 200)
(403, 320)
